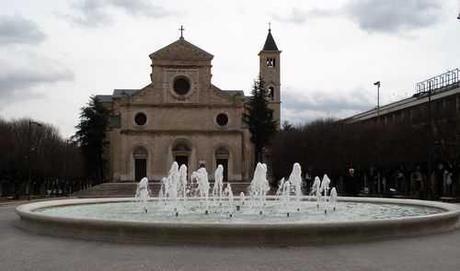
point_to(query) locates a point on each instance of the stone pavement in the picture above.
(25, 251)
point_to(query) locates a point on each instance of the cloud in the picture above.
(306, 106)
(99, 12)
(394, 15)
(384, 16)
(19, 77)
(300, 16)
(17, 30)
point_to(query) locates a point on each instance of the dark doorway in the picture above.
(140, 169)
(182, 160)
(140, 156)
(224, 163)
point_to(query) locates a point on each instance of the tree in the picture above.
(35, 157)
(259, 118)
(90, 136)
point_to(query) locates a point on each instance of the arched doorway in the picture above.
(140, 156)
(222, 155)
(181, 152)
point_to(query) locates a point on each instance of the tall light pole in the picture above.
(378, 123)
(378, 99)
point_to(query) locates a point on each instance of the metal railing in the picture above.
(447, 79)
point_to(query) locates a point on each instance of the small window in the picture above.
(222, 119)
(271, 62)
(140, 119)
(271, 92)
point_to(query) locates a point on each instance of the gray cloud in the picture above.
(18, 80)
(306, 106)
(17, 30)
(299, 16)
(394, 15)
(99, 12)
(385, 16)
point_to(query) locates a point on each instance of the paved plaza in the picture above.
(25, 251)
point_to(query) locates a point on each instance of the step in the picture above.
(105, 190)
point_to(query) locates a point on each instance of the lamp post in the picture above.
(29, 154)
(378, 98)
(378, 123)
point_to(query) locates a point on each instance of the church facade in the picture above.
(181, 116)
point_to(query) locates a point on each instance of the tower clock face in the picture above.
(181, 85)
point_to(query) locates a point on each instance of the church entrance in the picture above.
(140, 169)
(140, 156)
(222, 156)
(181, 152)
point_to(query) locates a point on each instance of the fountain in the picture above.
(218, 182)
(143, 193)
(188, 210)
(296, 180)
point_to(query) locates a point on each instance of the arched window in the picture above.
(140, 152)
(181, 152)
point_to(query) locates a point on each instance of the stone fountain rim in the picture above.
(28, 210)
(282, 233)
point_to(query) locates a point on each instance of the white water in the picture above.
(189, 200)
(274, 212)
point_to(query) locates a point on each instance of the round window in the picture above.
(140, 118)
(222, 119)
(181, 85)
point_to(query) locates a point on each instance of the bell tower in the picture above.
(269, 70)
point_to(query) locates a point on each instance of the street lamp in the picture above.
(378, 123)
(378, 98)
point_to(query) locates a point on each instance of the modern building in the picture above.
(435, 106)
(182, 116)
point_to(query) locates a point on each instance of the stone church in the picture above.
(182, 116)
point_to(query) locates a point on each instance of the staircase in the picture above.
(116, 190)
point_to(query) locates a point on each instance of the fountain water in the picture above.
(324, 188)
(183, 180)
(259, 185)
(218, 182)
(185, 210)
(296, 180)
(333, 198)
(143, 192)
(316, 190)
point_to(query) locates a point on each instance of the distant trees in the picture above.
(35, 158)
(329, 146)
(90, 137)
(259, 118)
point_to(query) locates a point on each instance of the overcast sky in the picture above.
(55, 54)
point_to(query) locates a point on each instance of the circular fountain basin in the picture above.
(273, 222)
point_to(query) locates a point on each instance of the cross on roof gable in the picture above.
(181, 50)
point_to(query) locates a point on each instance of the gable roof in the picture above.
(270, 44)
(181, 50)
